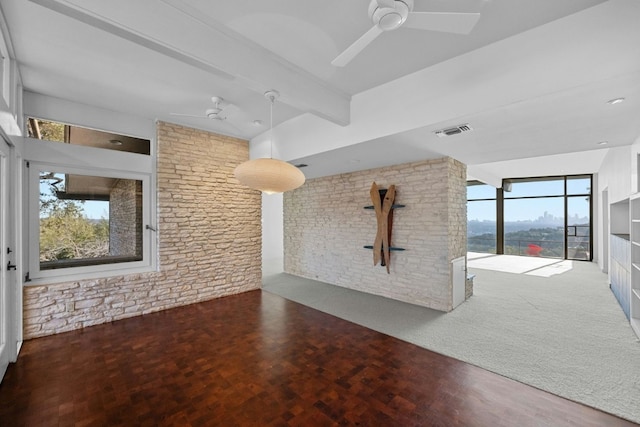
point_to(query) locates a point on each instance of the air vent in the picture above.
(454, 130)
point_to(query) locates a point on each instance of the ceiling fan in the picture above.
(221, 111)
(388, 15)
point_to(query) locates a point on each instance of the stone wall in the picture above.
(326, 227)
(125, 218)
(209, 236)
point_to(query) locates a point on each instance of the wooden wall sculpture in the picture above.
(383, 206)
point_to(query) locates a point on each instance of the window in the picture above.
(549, 217)
(481, 218)
(535, 187)
(545, 216)
(88, 220)
(91, 209)
(533, 226)
(76, 135)
(5, 73)
(580, 185)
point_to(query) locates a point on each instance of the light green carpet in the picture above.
(565, 333)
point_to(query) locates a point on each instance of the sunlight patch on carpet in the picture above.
(535, 266)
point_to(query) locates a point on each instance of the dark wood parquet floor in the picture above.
(258, 360)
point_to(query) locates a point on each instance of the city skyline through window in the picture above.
(547, 217)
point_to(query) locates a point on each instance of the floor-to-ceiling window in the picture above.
(578, 226)
(547, 217)
(481, 218)
(534, 218)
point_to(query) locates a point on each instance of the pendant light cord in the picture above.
(271, 95)
(271, 127)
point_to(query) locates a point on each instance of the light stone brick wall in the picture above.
(326, 227)
(125, 218)
(209, 233)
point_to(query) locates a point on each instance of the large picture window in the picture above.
(88, 220)
(545, 216)
(91, 208)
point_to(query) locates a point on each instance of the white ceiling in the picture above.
(532, 78)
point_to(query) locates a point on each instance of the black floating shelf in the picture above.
(392, 248)
(392, 206)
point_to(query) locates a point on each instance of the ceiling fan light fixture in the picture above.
(390, 21)
(390, 18)
(269, 175)
(212, 113)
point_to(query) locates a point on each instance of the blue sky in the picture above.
(96, 209)
(531, 209)
(92, 209)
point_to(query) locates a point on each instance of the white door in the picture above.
(7, 267)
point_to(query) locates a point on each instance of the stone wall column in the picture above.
(326, 227)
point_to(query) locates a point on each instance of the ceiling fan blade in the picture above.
(228, 123)
(386, 3)
(228, 110)
(345, 57)
(188, 115)
(447, 22)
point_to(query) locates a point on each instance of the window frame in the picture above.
(66, 158)
(6, 83)
(502, 197)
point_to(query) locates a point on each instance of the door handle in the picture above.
(10, 266)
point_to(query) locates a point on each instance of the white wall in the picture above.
(635, 166)
(615, 173)
(558, 164)
(272, 234)
(619, 175)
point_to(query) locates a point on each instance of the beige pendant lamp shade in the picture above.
(269, 175)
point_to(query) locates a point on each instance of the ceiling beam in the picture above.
(187, 35)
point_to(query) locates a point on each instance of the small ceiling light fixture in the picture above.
(269, 175)
(615, 101)
(603, 142)
(257, 122)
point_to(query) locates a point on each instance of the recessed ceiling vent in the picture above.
(454, 130)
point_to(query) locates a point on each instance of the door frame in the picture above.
(12, 292)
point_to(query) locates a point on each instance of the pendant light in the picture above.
(268, 174)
